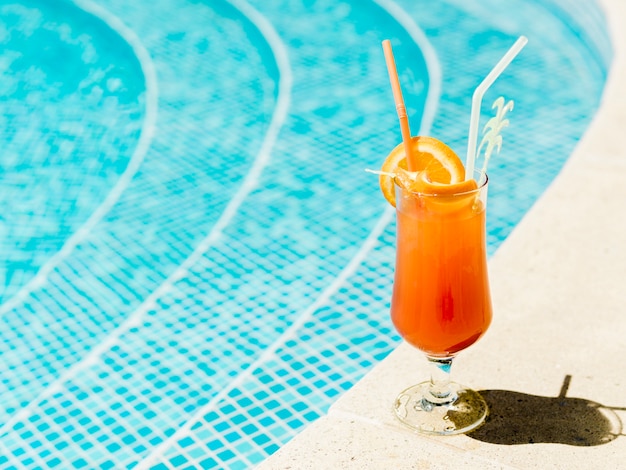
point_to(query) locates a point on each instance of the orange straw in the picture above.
(400, 108)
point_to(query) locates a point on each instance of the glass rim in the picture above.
(481, 185)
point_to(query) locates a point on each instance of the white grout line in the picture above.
(250, 182)
(270, 351)
(143, 145)
(430, 107)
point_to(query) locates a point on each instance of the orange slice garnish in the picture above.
(437, 166)
(420, 183)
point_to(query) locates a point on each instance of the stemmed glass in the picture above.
(441, 302)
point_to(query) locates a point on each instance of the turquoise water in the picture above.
(196, 263)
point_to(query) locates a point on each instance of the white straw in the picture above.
(477, 100)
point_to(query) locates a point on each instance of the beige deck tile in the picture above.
(339, 442)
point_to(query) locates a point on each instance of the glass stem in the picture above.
(440, 389)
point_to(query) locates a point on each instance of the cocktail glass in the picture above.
(441, 302)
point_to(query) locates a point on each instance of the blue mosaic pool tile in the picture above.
(98, 292)
(188, 330)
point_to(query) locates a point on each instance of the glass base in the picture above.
(460, 411)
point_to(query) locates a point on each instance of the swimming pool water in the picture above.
(195, 263)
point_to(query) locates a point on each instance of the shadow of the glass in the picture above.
(518, 418)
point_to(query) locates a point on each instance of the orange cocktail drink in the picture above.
(441, 302)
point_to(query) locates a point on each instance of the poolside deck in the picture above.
(552, 365)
